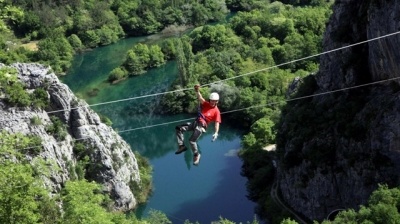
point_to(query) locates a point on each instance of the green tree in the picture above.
(307, 2)
(30, 24)
(57, 51)
(133, 64)
(19, 193)
(82, 22)
(382, 208)
(142, 189)
(143, 53)
(264, 55)
(149, 23)
(117, 74)
(289, 221)
(90, 38)
(75, 42)
(156, 56)
(211, 36)
(249, 140)
(17, 145)
(184, 59)
(201, 68)
(172, 16)
(82, 203)
(296, 47)
(240, 5)
(157, 217)
(9, 14)
(125, 10)
(200, 15)
(22, 196)
(106, 35)
(168, 48)
(264, 131)
(220, 63)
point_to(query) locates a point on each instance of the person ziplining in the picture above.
(208, 113)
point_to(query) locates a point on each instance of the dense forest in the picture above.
(262, 36)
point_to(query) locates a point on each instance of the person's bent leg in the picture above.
(179, 133)
(193, 139)
(180, 137)
(193, 144)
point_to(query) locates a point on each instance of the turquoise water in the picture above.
(182, 191)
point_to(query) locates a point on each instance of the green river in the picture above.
(182, 191)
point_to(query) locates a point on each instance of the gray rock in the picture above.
(364, 147)
(83, 125)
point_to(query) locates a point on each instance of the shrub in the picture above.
(75, 42)
(117, 74)
(17, 96)
(105, 120)
(35, 120)
(142, 189)
(57, 128)
(40, 98)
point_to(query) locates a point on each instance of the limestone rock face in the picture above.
(111, 160)
(349, 141)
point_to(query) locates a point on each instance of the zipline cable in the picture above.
(307, 57)
(293, 99)
(241, 109)
(269, 104)
(236, 110)
(234, 77)
(120, 100)
(245, 74)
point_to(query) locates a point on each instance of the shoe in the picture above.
(196, 158)
(181, 149)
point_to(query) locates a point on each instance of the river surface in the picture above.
(182, 191)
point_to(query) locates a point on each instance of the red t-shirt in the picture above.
(210, 113)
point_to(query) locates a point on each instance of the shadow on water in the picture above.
(161, 140)
(154, 142)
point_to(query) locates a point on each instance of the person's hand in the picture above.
(196, 87)
(214, 137)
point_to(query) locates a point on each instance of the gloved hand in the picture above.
(214, 137)
(196, 87)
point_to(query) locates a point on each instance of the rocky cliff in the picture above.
(334, 149)
(110, 160)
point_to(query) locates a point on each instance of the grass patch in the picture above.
(32, 46)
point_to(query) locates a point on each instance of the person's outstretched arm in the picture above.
(216, 127)
(215, 135)
(198, 94)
